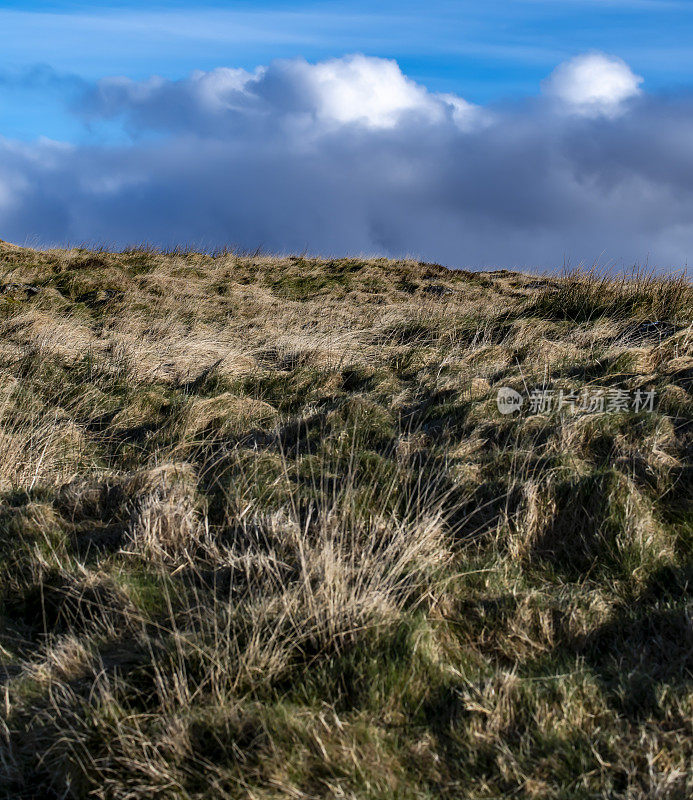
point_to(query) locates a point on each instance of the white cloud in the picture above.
(373, 92)
(370, 91)
(354, 90)
(593, 84)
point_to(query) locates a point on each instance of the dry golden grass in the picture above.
(264, 533)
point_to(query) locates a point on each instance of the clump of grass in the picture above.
(587, 295)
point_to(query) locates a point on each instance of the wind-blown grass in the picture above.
(264, 534)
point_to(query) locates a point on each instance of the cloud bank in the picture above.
(349, 156)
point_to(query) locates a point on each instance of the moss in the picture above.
(303, 287)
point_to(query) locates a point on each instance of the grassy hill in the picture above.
(265, 534)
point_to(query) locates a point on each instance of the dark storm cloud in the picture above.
(348, 156)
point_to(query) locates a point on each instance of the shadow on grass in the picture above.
(646, 646)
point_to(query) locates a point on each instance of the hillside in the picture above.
(264, 532)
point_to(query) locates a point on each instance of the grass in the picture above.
(264, 533)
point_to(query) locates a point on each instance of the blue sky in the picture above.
(474, 133)
(485, 50)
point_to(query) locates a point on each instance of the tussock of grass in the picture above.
(588, 295)
(263, 532)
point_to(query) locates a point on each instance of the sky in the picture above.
(524, 134)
